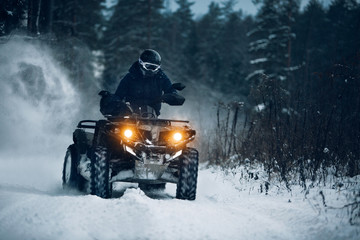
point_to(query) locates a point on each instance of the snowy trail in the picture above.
(34, 206)
(36, 128)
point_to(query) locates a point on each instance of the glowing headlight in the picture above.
(177, 136)
(128, 133)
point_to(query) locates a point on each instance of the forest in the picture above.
(288, 78)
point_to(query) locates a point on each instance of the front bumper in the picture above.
(147, 172)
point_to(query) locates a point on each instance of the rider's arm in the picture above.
(166, 84)
(122, 89)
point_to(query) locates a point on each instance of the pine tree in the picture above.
(272, 37)
(134, 26)
(209, 56)
(344, 29)
(80, 19)
(76, 24)
(271, 48)
(12, 13)
(311, 37)
(233, 49)
(182, 25)
(178, 40)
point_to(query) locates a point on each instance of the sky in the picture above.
(200, 7)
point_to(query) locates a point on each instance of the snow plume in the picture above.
(38, 102)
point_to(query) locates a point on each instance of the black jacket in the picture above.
(142, 91)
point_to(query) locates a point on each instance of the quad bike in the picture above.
(136, 147)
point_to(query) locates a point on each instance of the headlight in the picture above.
(128, 133)
(177, 137)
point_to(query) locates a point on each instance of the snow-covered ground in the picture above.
(33, 205)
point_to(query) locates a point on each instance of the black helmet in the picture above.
(150, 60)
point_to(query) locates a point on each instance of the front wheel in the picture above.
(100, 176)
(186, 186)
(70, 176)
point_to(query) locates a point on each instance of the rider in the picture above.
(145, 83)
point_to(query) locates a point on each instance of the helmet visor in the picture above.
(149, 66)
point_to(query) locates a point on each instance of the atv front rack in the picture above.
(116, 119)
(91, 124)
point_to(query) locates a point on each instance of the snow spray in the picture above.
(38, 103)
